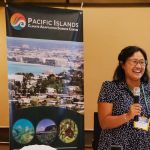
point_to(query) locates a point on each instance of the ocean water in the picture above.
(36, 69)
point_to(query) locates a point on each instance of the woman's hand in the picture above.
(135, 109)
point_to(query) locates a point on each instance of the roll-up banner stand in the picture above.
(45, 77)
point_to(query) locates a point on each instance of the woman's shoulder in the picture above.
(110, 83)
(147, 85)
(108, 91)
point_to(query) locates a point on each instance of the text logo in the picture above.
(18, 21)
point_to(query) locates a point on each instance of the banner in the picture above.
(45, 77)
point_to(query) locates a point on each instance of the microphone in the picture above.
(136, 94)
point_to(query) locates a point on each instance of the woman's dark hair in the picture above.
(127, 52)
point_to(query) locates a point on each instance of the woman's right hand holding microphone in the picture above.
(134, 110)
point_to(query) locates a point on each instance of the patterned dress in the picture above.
(126, 136)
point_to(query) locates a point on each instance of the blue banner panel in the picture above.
(45, 77)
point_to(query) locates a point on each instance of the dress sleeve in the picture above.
(107, 92)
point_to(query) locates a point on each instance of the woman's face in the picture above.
(134, 67)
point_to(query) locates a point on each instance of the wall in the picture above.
(4, 120)
(106, 31)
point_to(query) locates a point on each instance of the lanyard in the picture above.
(145, 99)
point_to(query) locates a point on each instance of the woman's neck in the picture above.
(133, 84)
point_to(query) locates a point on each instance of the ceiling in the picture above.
(94, 3)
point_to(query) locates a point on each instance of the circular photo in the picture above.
(23, 131)
(46, 131)
(68, 131)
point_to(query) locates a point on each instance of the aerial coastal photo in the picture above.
(45, 73)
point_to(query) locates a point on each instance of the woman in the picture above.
(117, 108)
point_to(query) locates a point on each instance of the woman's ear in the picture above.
(121, 64)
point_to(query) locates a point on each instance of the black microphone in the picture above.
(136, 93)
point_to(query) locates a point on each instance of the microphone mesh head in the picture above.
(136, 91)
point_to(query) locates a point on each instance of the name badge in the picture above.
(143, 123)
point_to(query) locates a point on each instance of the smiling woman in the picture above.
(126, 119)
(133, 69)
